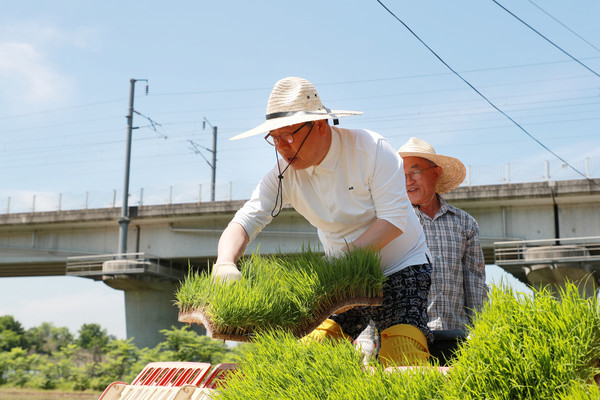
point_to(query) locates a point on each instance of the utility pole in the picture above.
(124, 219)
(213, 165)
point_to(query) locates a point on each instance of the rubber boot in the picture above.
(329, 329)
(403, 345)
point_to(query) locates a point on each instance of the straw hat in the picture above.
(453, 171)
(292, 101)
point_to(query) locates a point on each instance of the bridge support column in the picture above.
(149, 308)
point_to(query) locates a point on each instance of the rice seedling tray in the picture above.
(290, 293)
(200, 317)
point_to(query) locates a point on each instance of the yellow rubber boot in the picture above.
(403, 345)
(329, 329)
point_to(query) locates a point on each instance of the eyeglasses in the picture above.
(416, 174)
(285, 137)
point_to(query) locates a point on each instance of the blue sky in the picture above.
(65, 68)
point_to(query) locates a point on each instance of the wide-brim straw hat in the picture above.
(294, 100)
(453, 170)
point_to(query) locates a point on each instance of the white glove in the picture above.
(225, 272)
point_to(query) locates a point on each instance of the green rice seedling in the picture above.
(277, 291)
(529, 347)
(579, 392)
(520, 347)
(277, 366)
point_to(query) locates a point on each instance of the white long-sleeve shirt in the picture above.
(360, 180)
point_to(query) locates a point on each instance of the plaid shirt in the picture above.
(458, 275)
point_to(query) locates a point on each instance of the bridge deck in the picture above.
(34, 244)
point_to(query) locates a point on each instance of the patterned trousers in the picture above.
(404, 302)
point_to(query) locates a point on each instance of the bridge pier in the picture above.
(149, 308)
(149, 284)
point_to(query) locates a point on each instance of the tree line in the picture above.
(50, 357)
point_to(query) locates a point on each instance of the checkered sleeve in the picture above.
(475, 289)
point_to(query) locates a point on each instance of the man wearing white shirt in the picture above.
(349, 184)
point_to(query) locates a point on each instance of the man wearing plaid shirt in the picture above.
(458, 288)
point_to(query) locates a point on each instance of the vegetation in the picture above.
(524, 347)
(48, 357)
(520, 347)
(282, 292)
(278, 366)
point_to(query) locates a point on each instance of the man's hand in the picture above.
(225, 272)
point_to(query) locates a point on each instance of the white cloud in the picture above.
(29, 75)
(45, 35)
(30, 68)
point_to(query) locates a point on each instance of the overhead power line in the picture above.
(28, 150)
(5, 117)
(60, 109)
(565, 26)
(548, 40)
(483, 96)
(153, 124)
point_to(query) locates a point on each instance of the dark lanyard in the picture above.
(279, 196)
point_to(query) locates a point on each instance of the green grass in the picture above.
(281, 292)
(520, 347)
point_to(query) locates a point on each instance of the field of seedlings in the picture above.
(521, 347)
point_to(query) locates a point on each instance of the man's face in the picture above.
(421, 178)
(309, 154)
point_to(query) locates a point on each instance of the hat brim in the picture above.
(277, 123)
(453, 170)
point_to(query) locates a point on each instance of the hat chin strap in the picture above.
(279, 197)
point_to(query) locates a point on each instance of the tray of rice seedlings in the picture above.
(294, 293)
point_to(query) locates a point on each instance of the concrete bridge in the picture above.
(164, 239)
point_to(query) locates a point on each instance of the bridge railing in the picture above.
(547, 251)
(31, 201)
(103, 265)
